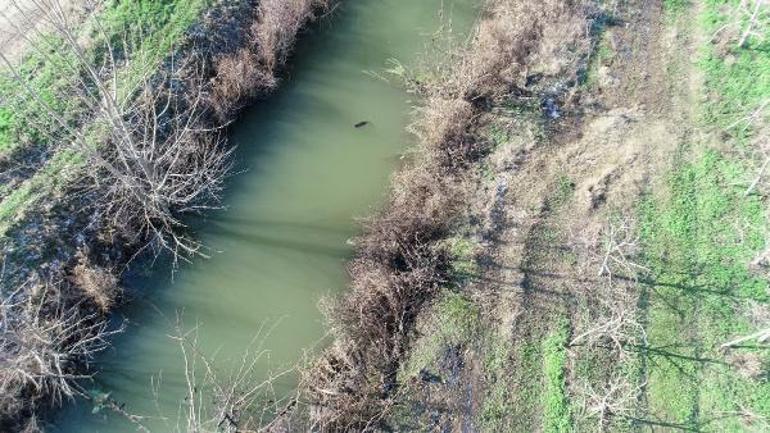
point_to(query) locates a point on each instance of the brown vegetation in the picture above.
(99, 284)
(252, 70)
(400, 262)
(41, 341)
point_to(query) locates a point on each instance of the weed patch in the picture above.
(556, 412)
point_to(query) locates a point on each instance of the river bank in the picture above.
(445, 208)
(305, 173)
(66, 232)
(578, 239)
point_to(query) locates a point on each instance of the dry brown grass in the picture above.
(238, 78)
(98, 284)
(252, 70)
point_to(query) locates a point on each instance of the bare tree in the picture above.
(156, 156)
(620, 244)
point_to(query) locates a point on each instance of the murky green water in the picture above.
(282, 242)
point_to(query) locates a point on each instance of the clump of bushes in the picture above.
(252, 70)
(47, 335)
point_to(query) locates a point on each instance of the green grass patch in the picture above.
(498, 404)
(463, 252)
(737, 78)
(52, 178)
(509, 367)
(155, 26)
(676, 6)
(561, 192)
(601, 55)
(556, 406)
(699, 237)
(452, 320)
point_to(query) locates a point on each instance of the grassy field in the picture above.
(701, 231)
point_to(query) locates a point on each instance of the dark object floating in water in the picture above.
(361, 124)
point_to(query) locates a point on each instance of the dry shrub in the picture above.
(446, 121)
(277, 25)
(398, 268)
(252, 70)
(167, 158)
(400, 265)
(238, 78)
(42, 340)
(513, 40)
(99, 284)
(400, 262)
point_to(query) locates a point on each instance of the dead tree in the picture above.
(617, 397)
(154, 156)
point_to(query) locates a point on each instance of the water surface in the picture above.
(281, 244)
